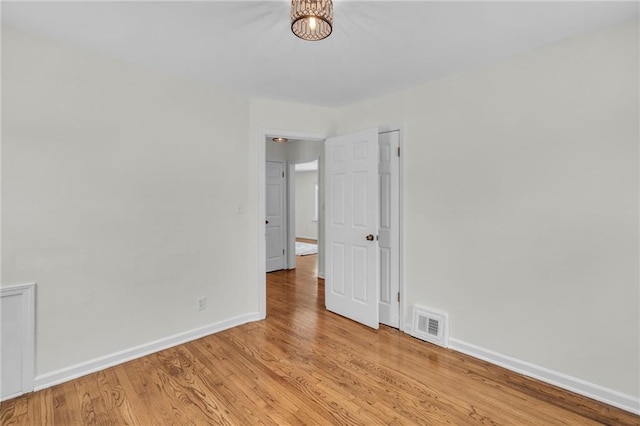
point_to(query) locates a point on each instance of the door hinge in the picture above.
(282, 251)
(398, 151)
(282, 174)
(398, 297)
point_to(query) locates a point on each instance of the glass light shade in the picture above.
(312, 19)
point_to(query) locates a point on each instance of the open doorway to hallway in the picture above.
(292, 201)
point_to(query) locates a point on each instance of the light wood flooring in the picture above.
(307, 240)
(304, 365)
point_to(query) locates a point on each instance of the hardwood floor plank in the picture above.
(278, 382)
(14, 411)
(141, 377)
(263, 385)
(68, 408)
(41, 408)
(306, 366)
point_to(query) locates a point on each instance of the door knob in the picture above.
(266, 222)
(369, 237)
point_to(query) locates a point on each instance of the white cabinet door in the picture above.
(275, 220)
(351, 220)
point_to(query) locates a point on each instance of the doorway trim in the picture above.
(290, 206)
(400, 128)
(263, 134)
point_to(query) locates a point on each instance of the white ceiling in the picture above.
(375, 48)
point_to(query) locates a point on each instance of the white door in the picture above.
(389, 243)
(351, 224)
(275, 220)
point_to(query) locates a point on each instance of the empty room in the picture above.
(462, 180)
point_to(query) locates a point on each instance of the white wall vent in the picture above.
(430, 325)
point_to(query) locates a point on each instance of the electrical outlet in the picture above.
(202, 303)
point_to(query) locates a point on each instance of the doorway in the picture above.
(306, 202)
(292, 198)
(390, 249)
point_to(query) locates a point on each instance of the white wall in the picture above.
(294, 152)
(305, 151)
(127, 194)
(521, 204)
(275, 151)
(306, 226)
(120, 192)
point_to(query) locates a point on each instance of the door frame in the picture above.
(263, 134)
(400, 128)
(291, 222)
(290, 206)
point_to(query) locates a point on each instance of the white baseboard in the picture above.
(97, 364)
(561, 380)
(408, 328)
(564, 381)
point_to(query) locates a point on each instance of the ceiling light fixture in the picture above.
(312, 19)
(280, 140)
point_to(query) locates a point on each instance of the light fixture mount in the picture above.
(280, 139)
(312, 19)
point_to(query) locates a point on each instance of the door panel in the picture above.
(337, 262)
(351, 174)
(275, 226)
(389, 244)
(385, 290)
